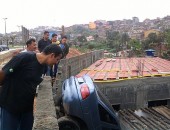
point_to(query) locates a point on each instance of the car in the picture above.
(82, 106)
(1, 49)
(4, 47)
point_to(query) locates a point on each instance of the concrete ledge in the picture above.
(45, 114)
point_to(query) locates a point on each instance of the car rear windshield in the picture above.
(104, 100)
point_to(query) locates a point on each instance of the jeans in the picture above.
(53, 70)
(22, 121)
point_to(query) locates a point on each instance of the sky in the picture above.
(33, 13)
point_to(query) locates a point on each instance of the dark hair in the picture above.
(53, 35)
(30, 41)
(64, 37)
(45, 32)
(52, 48)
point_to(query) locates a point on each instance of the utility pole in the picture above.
(63, 31)
(5, 30)
(19, 33)
(18, 27)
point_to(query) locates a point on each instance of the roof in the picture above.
(156, 118)
(127, 68)
(73, 52)
(150, 50)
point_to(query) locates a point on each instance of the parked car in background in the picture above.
(4, 47)
(1, 49)
(84, 107)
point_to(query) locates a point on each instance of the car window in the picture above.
(104, 99)
(105, 116)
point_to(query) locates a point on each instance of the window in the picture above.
(105, 116)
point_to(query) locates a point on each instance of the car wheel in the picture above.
(67, 123)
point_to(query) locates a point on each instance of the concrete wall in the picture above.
(5, 56)
(136, 93)
(45, 114)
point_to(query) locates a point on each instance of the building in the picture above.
(92, 25)
(135, 20)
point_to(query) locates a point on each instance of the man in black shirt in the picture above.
(44, 41)
(42, 44)
(19, 79)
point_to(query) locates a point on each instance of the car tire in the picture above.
(67, 123)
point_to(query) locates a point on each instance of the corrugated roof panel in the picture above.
(117, 65)
(155, 118)
(160, 65)
(82, 73)
(131, 64)
(112, 69)
(123, 65)
(100, 66)
(101, 76)
(112, 75)
(109, 65)
(93, 66)
(123, 75)
(133, 74)
(92, 73)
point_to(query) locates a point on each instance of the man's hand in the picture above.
(2, 76)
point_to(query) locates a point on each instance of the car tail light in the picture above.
(84, 91)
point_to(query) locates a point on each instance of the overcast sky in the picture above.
(33, 13)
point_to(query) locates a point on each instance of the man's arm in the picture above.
(67, 50)
(39, 46)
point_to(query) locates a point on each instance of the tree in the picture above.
(152, 37)
(125, 39)
(82, 39)
(96, 36)
(113, 40)
(167, 37)
(12, 37)
(91, 46)
(145, 44)
(135, 46)
(6, 39)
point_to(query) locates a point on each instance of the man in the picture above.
(64, 46)
(42, 44)
(44, 41)
(19, 78)
(54, 39)
(53, 69)
(31, 45)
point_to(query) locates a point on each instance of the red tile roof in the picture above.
(73, 52)
(116, 69)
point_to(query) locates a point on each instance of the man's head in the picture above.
(31, 45)
(46, 35)
(53, 54)
(54, 37)
(64, 39)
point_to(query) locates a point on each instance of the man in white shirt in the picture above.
(31, 45)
